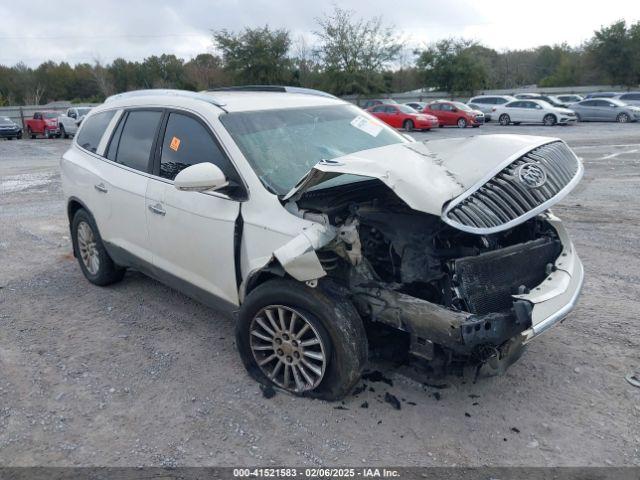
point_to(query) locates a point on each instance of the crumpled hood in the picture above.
(426, 175)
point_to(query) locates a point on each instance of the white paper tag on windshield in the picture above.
(367, 126)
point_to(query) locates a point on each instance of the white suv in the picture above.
(316, 223)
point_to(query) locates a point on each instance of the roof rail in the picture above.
(272, 88)
(165, 91)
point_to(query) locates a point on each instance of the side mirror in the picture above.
(72, 115)
(454, 109)
(200, 177)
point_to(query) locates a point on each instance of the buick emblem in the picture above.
(532, 175)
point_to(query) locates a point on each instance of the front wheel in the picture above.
(549, 120)
(504, 120)
(95, 263)
(308, 341)
(622, 118)
(408, 125)
(462, 123)
(63, 132)
(30, 133)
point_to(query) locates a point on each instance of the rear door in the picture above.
(192, 233)
(517, 111)
(126, 177)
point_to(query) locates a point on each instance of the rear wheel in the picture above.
(622, 118)
(308, 341)
(504, 119)
(549, 120)
(63, 132)
(408, 125)
(95, 263)
(462, 123)
(30, 133)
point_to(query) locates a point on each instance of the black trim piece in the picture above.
(125, 259)
(237, 244)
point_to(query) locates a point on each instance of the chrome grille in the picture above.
(505, 200)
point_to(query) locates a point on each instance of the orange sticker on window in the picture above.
(175, 144)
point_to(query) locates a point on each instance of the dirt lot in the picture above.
(138, 374)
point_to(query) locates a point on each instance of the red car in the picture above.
(455, 113)
(43, 123)
(402, 116)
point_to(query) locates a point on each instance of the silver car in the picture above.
(486, 103)
(570, 99)
(630, 98)
(605, 110)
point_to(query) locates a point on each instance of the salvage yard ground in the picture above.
(138, 374)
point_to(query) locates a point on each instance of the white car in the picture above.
(68, 126)
(316, 222)
(533, 111)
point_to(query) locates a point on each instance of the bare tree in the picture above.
(102, 78)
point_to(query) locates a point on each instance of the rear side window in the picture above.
(92, 130)
(188, 142)
(134, 144)
(378, 109)
(630, 96)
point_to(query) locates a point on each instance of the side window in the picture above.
(188, 142)
(514, 105)
(391, 110)
(378, 109)
(92, 130)
(600, 103)
(434, 106)
(37, 116)
(138, 133)
(445, 107)
(587, 103)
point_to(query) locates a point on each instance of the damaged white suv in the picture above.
(317, 223)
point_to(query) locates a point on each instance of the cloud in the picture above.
(76, 31)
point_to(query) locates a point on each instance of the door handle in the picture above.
(157, 209)
(101, 188)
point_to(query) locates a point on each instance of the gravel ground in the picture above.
(138, 374)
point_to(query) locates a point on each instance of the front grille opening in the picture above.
(505, 198)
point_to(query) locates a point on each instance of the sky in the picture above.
(80, 31)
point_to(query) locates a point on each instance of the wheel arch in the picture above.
(73, 205)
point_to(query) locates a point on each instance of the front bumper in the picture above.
(567, 120)
(557, 296)
(10, 133)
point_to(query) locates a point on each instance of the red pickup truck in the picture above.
(43, 123)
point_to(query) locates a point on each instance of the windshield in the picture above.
(283, 145)
(5, 121)
(462, 106)
(83, 111)
(50, 115)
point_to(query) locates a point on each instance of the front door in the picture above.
(192, 233)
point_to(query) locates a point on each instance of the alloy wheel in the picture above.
(623, 118)
(288, 348)
(88, 248)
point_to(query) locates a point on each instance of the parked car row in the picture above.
(425, 116)
(561, 109)
(54, 124)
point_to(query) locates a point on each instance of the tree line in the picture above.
(350, 55)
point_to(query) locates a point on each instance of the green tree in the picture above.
(452, 65)
(354, 52)
(255, 55)
(614, 48)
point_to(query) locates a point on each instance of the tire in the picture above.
(30, 133)
(622, 118)
(462, 123)
(63, 132)
(549, 120)
(102, 271)
(504, 120)
(333, 321)
(408, 125)
(578, 119)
